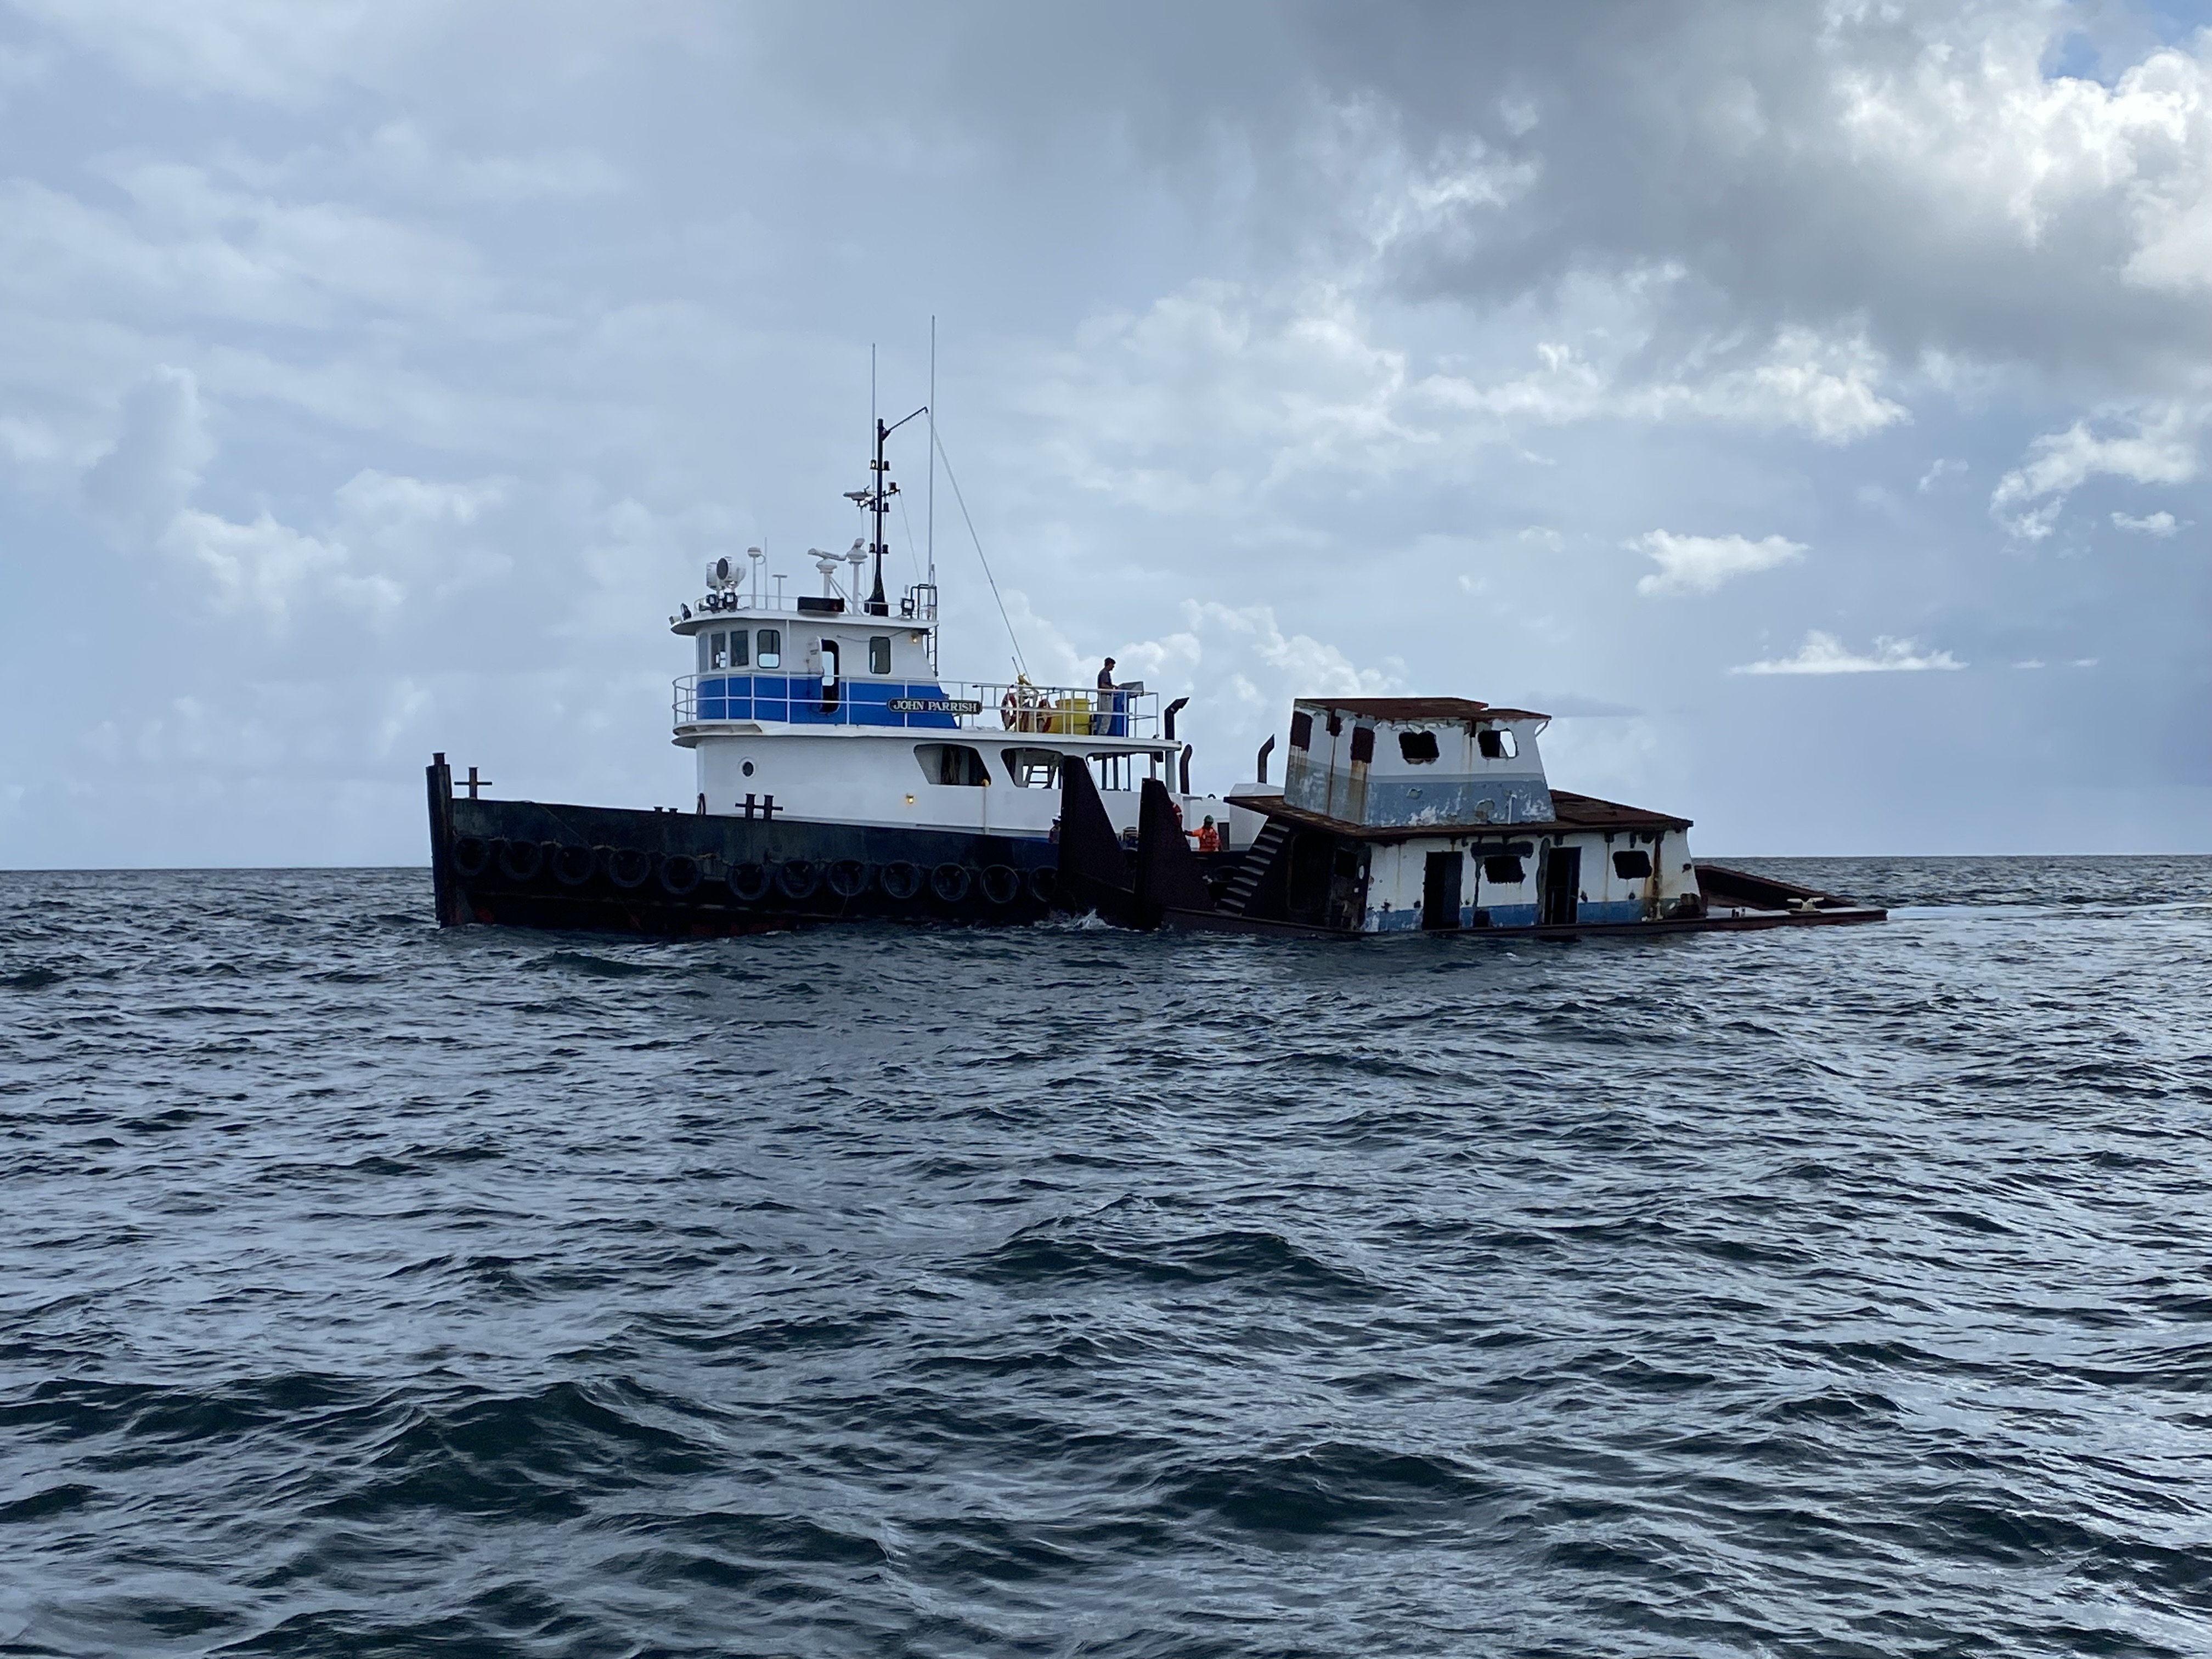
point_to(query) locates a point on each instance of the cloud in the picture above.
(1824, 653)
(265, 50)
(2153, 524)
(2161, 449)
(268, 570)
(154, 465)
(1698, 564)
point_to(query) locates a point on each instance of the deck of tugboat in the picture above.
(704, 704)
(1570, 811)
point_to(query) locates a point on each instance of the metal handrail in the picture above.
(975, 706)
(917, 604)
(1064, 710)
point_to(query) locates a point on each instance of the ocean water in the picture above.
(369, 1289)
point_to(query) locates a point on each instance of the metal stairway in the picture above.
(1257, 858)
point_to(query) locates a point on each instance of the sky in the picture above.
(1807, 404)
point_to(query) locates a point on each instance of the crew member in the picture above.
(1101, 717)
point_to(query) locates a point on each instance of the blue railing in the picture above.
(802, 699)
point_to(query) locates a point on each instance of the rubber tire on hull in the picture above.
(627, 867)
(522, 862)
(798, 878)
(679, 875)
(472, 855)
(848, 877)
(949, 882)
(573, 864)
(749, 883)
(901, 880)
(1002, 884)
(1044, 885)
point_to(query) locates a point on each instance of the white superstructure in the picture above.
(828, 708)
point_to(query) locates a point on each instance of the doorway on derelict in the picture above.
(1562, 886)
(1440, 886)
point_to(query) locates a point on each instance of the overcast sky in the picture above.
(1808, 404)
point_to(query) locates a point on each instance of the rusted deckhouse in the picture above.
(1403, 814)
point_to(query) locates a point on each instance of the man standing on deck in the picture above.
(1101, 716)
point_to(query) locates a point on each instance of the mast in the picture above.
(876, 499)
(878, 605)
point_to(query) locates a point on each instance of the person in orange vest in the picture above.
(1209, 838)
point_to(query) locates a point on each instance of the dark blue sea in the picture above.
(368, 1288)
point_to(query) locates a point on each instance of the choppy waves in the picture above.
(371, 1289)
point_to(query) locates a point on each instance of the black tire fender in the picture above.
(522, 862)
(798, 878)
(472, 854)
(573, 864)
(848, 877)
(949, 882)
(900, 879)
(1044, 885)
(627, 867)
(749, 883)
(679, 874)
(1002, 884)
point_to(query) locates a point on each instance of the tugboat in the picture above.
(840, 779)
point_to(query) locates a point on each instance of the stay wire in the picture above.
(952, 478)
(905, 520)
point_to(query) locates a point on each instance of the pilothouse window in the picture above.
(1419, 748)
(771, 653)
(880, 654)
(952, 763)
(738, 649)
(1497, 744)
(718, 650)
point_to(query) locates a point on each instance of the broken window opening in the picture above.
(1419, 748)
(1497, 744)
(1301, 729)
(1632, 866)
(1363, 745)
(1502, 872)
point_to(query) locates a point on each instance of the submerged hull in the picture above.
(1839, 913)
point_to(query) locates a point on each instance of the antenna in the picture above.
(931, 520)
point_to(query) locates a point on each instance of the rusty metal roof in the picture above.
(1589, 813)
(1570, 811)
(1422, 709)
